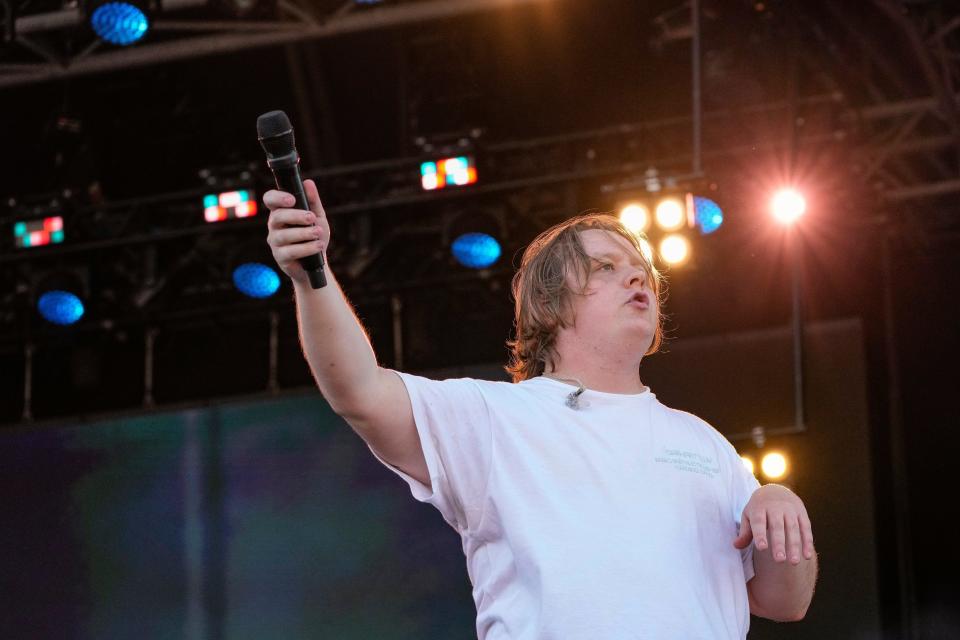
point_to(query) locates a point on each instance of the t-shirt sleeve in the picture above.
(453, 424)
(743, 484)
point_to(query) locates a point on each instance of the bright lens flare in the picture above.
(787, 205)
(748, 463)
(670, 214)
(635, 217)
(774, 465)
(674, 249)
(646, 250)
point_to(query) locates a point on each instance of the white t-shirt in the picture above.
(615, 520)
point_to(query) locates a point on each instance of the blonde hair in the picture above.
(543, 295)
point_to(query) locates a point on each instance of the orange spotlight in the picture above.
(670, 214)
(774, 465)
(635, 217)
(787, 205)
(675, 249)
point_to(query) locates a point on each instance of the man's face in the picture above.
(618, 301)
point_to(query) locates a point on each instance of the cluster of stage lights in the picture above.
(63, 307)
(773, 465)
(252, 279)
(56, 303)
(674, 213)
(229, 205)
(475, 249)
(61, 302)
(38, 233)
(671, 215)
(458, 171)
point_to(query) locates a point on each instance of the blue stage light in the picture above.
(119, 23)
(707, 214)
(476, 250)
(256, 280)
(60, 307)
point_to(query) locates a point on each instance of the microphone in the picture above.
(276, 137)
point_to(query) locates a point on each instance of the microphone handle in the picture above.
(288, 179)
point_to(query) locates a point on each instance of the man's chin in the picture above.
(639, 335)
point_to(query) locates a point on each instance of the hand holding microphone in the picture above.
(298, 229)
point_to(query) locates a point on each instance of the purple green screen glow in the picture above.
(266, 520)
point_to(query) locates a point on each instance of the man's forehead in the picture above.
(599, 241)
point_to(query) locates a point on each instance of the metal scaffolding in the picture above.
(297, 22)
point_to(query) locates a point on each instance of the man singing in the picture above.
(587, 509)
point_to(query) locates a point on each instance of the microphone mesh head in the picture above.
(276, 134)
(272, 124)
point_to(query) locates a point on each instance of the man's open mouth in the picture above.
(641, 300)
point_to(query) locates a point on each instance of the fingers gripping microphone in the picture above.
(276, 137)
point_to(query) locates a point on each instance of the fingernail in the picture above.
(780, 555)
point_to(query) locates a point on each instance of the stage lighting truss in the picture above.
(40, 57)
(669, 219)
(247, 9)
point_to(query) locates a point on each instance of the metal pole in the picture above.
(149, 340)
(799, 415)
(396, 311)
(298, 83)
(695, 82)
(901, 500)
(796, 247)
(272, 385)
(27, 414)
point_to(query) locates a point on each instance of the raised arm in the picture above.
(372, 399)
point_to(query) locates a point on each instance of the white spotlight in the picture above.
(787, 205)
